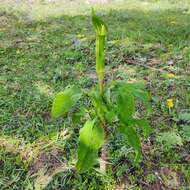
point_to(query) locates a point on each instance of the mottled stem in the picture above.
(104, 155)
(104, 150)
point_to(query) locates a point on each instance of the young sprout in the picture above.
(115, 101)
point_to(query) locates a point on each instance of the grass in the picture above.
(40, 54)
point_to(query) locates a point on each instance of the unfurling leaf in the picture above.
(99, 25)
(90, 140)
(65, 100)
(101, 32)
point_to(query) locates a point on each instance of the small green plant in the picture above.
(110, 104)
(170, 139)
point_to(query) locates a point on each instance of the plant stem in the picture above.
(100, 41)
(104, 152)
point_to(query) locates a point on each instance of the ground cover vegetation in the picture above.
(147, 42)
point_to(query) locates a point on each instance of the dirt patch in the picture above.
(46, 167)
(47, 160)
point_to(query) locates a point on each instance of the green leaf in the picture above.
(184, 117)
(143, 123)
(138, 91)
(144, 97)
(125, 106)
(110, 116)
(65, 100)
(90, 140)
(131, 135)
(99, 104)
(86, 158)
(76, 118)
(186, 132)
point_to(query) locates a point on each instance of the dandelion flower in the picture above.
(170, 103)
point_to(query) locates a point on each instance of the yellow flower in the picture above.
(170, 75)
(18, 51)
(170, 103)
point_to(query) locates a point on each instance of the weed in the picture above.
(114, 102)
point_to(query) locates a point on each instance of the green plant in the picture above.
(170, 139)
(111, 104)
(186, 132)
(150, 178)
